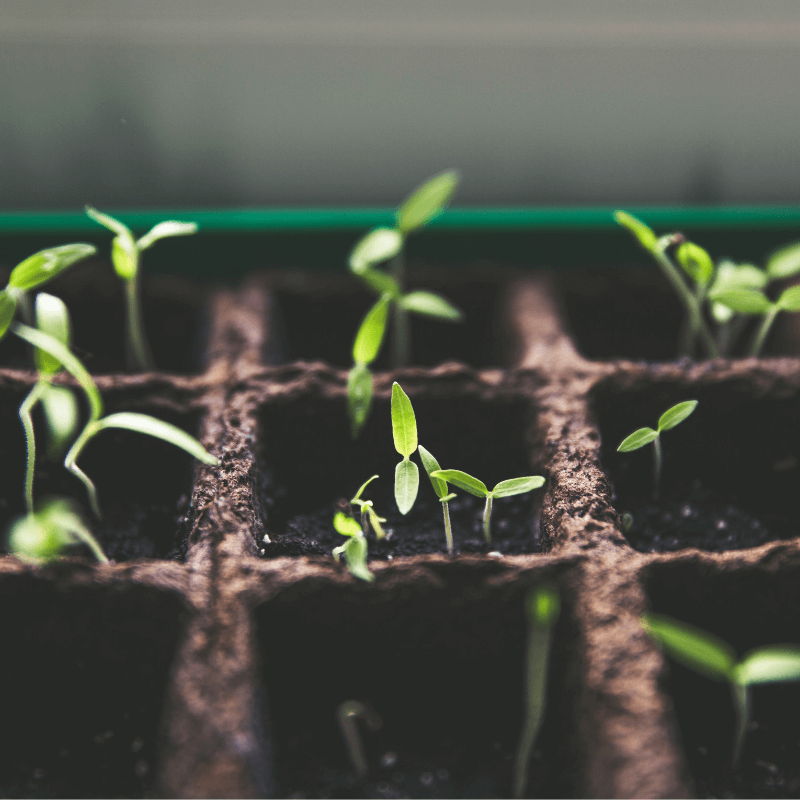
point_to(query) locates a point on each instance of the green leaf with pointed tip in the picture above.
(784, 262)
(645, 235)
(790, 299)
(448, 497)
(675, 415)
(404, 423)
(8, 307)
(355, 553)
(345, 525)
(108, 221)
(52, 318)
(47, 264)
(150, 426)
(379, 282)
(359, 396)
(371, 332)
(543, 605)
(514, 486)
(406, 485)
(61, 415)
(125, 257)
(637, 439)
(377, 246)
(164, 230)
(694, 648)
(427, 201)
(375, 521)
(696, 262)
(431, 465)
(743, 301)
(430, 305)
(364, 485)
(738, 276)
(463, 481)
(778, 663)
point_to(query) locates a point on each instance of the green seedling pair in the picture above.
(378, 246)
(715, 659)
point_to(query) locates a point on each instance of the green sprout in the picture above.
(507, 488)
(542, 607)
(355, 548)
(368, 514)
(383, 244)
(440, 487)
(404, 430)
(126, 252)
(141, 423)
(42, 536)
(346, 715)
(713, 658)
(669, 419)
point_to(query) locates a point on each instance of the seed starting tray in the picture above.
(194, 666)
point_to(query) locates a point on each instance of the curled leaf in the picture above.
(696, 263)
(645, 235)
(378, 245)
(52, 318)
(164, 230)
(47, 264)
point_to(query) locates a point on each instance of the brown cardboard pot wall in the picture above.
(204, 666)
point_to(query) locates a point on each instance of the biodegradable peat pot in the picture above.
(206, 662)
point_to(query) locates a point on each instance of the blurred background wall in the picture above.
(331, 102)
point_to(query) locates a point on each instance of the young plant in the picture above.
(713, 658)
(669, 419)
(404, 430)
(368, 514)
(355, 548)
(141, 423)
(126, 252)
(346, 715)
(542, 608)
(507, 488)
(378, 246)
(440, 487)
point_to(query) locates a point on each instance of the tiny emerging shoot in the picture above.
(368, 514)
(346, 715)
(507, 488)
(713, 658)
(404, 430)
(542, 607)
(644, 436)
(355, 549)
(126, 253)
(440, 487)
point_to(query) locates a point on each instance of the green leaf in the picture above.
(743, 301)
(406, 485)
(375, 521)
(345, 525)
(355, 553)
(164, 230)
(359, 396)
(517, 486)
(675, 415)
(738, 276)
(543, 605)
(380, 282)
(52, 318)
(645, 235)
(371, 332)
(61, 415)
(364, 485)
(431, 305)
(46, 264)
(784, 262)
(431, 465)
(463, 481)
(34, 538)
(694, 648)
(637, 439)
(448, 497)
(150, 426)
(404, 423)
(696, 262)
(778, 663)
(427, 201)
(8, 307)
(125, 257)
(108, 222)
(790, 299)
(377, 246)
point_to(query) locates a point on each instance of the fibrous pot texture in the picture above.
(209, 658)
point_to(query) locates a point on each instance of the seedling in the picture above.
(383, 244)
(404, 430)
(440, 487)
(542, 608)
(355, 549)
(126, 253)
(507, 488)
(368, 514)
(346, 715)
(42, 536)
(669, 419)
(713, 658)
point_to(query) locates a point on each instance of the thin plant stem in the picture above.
(69, 463)
(86, 537)
(487, 519)
(137, 341)
(25, 412)
(400, 335)
(448, 531)
(741, 702)
(763, 330)
(346, 715)
(656, 466)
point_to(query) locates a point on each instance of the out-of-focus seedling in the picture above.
(440, 487)
(126, 252)
(42, 536)
(644, 436)
(368, 514)
(542, 607)
(355, 548)
(508, 488)
(404, 430)
(713, 658)
(346, 715)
